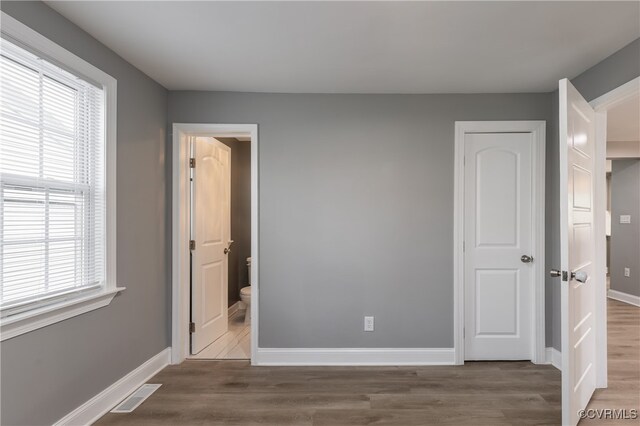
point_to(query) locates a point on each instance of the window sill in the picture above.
(32, 320)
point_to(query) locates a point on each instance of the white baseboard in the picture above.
(234, 308)
(624, 297)
(99, 405)
(354, 356)
(554, 357)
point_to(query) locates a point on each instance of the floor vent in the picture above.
(135, 399)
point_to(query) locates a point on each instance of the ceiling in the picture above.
(623, 121)
(359, 47)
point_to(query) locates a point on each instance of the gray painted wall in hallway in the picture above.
(49, 372)
(614, 71)
(356, 199)
(625, 238)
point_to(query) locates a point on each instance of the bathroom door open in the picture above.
(210, 239)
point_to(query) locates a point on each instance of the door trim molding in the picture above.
(180, 209)
(600, 106)
(538, 129)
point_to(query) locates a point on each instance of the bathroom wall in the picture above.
(625, 238)
(240, 215)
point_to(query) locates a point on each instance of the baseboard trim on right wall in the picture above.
(354, 356)
(624, 297)
(554, 357)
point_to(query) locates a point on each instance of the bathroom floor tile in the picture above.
(234, 344)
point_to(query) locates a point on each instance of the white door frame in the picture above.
(181, 201)
(601, 105)
(537, 128)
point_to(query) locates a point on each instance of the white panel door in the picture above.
(498, 231)
(577, 249)
(211, 231)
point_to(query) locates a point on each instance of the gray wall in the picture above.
(625, 238)
(614, 71)
(49, 372)
(552, 227)
(617, 69)
(240, 216)
(356, 201)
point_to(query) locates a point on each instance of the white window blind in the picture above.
(52, 182)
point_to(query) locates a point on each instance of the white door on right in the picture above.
(577, 250)
(498, 246)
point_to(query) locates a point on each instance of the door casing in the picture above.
(537, 129)
(181, 214)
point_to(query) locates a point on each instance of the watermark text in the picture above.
(608, 414)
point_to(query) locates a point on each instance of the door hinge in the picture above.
(463, 246)
(192, 244)
(192, 327)
(464, 332)
(192, 163)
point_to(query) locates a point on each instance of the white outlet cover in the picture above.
(368, 324)
(625, 218)
(627, 272)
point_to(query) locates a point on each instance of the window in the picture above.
(55, 233)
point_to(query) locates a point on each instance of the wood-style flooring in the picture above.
(623, 391)
(478, 393)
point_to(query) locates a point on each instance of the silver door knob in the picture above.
(580, 276)
(555, 273)
(526, 259)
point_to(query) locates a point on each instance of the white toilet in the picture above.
(245, 295)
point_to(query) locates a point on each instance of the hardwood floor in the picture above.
(623, 391)
(479, 393)
(234, 393)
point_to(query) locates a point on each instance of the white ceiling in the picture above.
(359, 47)
(623, 121)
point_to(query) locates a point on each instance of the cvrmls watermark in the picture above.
(609, 414)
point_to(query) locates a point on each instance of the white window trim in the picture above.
(77, 304)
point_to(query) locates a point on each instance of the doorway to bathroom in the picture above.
(214, 236)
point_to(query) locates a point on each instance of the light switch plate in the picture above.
(625, 218)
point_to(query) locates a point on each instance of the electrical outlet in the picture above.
(627, 272)
(625, 218)
(368, 323)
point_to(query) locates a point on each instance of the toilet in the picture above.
(245, 295)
